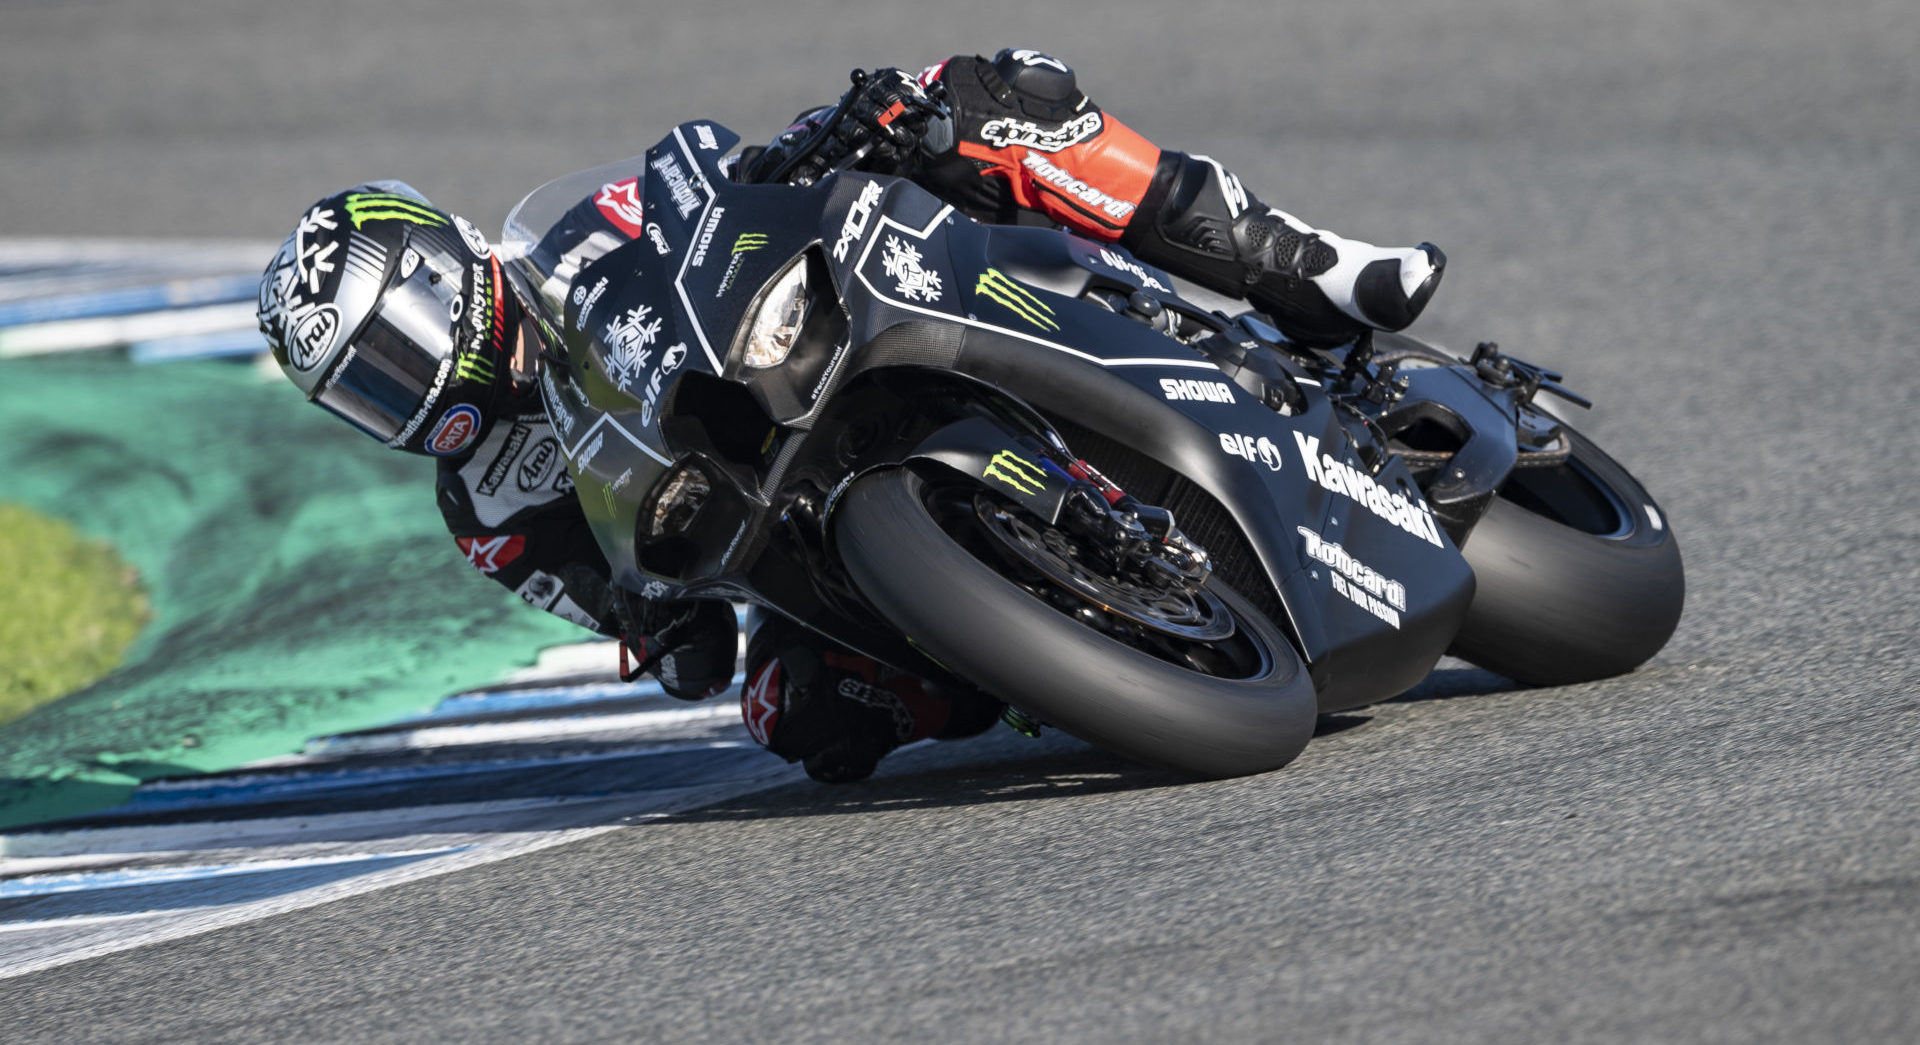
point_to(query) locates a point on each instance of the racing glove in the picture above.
(888, 116)
(690, 645)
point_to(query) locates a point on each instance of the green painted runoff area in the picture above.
(299, 578)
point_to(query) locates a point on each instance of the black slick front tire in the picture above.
(981, 625)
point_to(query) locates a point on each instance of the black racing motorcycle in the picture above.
(1021, 459)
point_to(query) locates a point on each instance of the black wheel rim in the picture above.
(976, 522)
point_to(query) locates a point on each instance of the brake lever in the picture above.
(819, 137)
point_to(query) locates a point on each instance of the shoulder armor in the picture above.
(1044, 84)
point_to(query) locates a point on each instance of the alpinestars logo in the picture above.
(1016, 471)
(363, 207)
(1045, 171)
(1029, 57)
(1007, 131)
(760, 704)
(996, 287)
(902, 262)
(489, 554)
(1334, 476)
(885, 700)
(619, 203)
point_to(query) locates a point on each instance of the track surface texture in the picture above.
(1703, 211)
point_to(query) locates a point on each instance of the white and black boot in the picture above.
(1319, 287)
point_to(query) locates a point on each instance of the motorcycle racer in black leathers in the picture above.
(396, 316)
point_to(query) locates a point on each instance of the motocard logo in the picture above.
(455, 431)
(1261, 449)
(556, 407)
(1007, 131)
(1046, 171)
(619, 203)
(539, 465)
(489, 554)
(685, 200)
(1359, 583)
(1337, 477)
(1188, 390)
(857, 216)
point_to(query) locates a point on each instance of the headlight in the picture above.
(678, 501)
(776, 324)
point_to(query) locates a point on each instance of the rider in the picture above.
(395, 315)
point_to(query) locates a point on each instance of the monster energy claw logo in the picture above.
(1016, 298)
(1016, 471)
(363, 207)
(749, 241)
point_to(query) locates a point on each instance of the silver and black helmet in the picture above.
(392, 314)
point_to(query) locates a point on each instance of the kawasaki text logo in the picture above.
(1016, 298)
(1412, 516)
(1016, 471)
(363, 207)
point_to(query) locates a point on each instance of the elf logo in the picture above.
(1178, 389)
(1259, 449)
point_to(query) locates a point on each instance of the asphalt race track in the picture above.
(1703, 211)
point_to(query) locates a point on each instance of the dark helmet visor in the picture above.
(387, 376)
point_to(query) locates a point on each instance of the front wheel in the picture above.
(1183, 696)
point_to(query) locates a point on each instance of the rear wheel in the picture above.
(1200, 682)
(1578, 574)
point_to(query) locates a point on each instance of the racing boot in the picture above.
(839, 713)
(1319, 288)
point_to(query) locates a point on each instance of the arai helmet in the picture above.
(392, 314)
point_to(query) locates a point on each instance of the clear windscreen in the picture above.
(537, 273)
